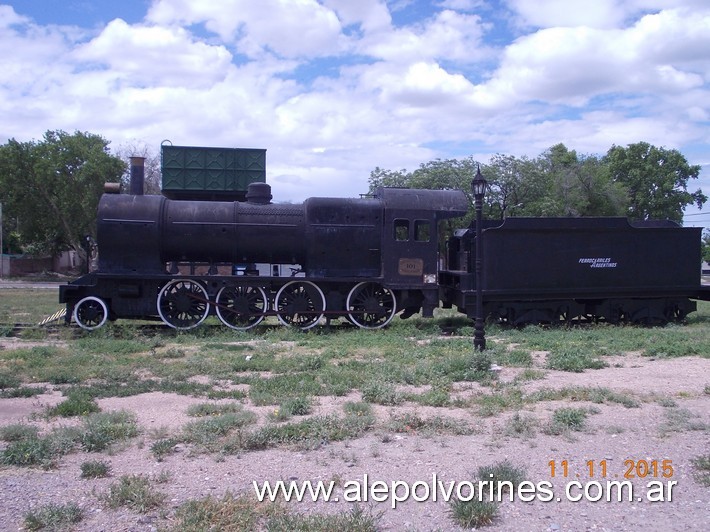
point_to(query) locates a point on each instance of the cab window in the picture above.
(401, 230)
(422, 231)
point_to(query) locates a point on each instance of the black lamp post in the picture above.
(478, 187)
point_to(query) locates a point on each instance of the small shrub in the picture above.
(77, 404)
(28, 452)
(520, 426)
(135, 492)
(479, 367)
(359, 409)
(356, 520)
(227, 513)
(680, 420)
(213, 409)
(529, 374)
(502, 472)
(297, 406)
(53, 516)
(95, 469)
(381, 393)
(574, 361)
(433, 425)
(701, 465)
(8, 381)
(23, 391)
(18, 432)
(163, 447)
(205, 431)
(566, 419)
(316, 430)
(103, 429)
(474, 513)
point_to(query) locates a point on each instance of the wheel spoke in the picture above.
(183, 304)
(371, 305)
(241, 307)
(300, 304)
(90, 313)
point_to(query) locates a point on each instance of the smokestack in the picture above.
(137, 175)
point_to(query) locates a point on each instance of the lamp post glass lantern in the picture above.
(478, 187)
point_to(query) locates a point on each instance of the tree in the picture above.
(577, 185)
(380, 177)
(51, 188)
(706, 246)
(656, 180)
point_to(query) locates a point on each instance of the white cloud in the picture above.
(228, 73)
(573, 65)
(289, 28)
(449, 35)
(369, 15)
(153, 55)
(569, 13)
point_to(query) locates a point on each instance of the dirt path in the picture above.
(668, 429)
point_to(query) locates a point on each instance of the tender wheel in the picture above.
(90, 313)
(183, 304)
(300, 304)
(371, 305)
(241, 307)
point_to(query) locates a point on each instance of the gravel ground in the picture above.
(614, 434)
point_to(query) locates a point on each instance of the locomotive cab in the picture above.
(410, 257)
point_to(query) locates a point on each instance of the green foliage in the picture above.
(706, 246)
(78, 403)
(51, 188)
(574, 359)
(213, 409)
(163, 447)
(105, 428)
(29, 451)
(356, 520)
(53, 517)
(17, 432)
(205, 431)
(381, 392)
(521, 426)
(701, 466)
(413, 423)
(135, 492)
(641, 181)
(680, 420)
(566, 419)
(656, 180)
(95, 469)
(472, 514)
(226, 513)
(316, 430)
(504, 476)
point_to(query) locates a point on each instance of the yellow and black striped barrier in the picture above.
(54, 317)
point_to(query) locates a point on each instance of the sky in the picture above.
(334, 88)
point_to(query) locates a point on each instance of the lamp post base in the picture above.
(479, 335)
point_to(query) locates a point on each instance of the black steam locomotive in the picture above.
(214, 243)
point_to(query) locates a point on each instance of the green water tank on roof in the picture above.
(203, 173)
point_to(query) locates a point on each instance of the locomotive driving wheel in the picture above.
(371, 305)
(90, 313)
(183, 304)
(241, 307)
(300, 304)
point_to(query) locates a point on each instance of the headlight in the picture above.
(429, 278)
